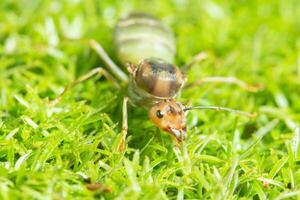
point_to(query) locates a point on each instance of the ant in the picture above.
(147, 48)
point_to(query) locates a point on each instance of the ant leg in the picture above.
(196, 59)
(108, 61)
(97, 71)
(122, 144)
(230, 80)
(97, 47)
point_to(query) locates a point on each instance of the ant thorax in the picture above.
(154, 80)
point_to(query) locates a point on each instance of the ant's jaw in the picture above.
(178, 134)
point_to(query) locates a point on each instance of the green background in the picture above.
(48, 152)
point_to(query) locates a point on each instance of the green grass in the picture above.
(54, 152)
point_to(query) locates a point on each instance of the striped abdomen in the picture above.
(139, 36)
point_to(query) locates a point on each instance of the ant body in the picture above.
(147, 48)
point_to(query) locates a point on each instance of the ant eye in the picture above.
(159, 114)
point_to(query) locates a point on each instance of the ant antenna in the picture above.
(251, 115)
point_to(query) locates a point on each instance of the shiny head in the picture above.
(169, 116)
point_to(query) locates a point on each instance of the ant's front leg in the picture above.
(97, 71)
(122, 143)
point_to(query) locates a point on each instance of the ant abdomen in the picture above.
(139, 36)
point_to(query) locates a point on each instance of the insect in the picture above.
(146, 47)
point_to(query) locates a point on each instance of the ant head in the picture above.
(169, 116)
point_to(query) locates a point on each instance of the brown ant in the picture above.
(146, 47)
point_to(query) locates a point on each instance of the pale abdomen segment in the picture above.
(139, 36)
